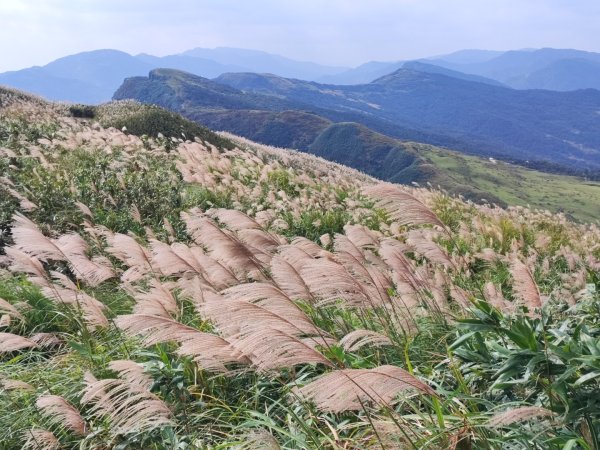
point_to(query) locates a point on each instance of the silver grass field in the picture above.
(163, 292)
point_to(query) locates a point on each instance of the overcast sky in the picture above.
(334, 32)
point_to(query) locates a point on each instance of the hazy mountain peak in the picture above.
(263, 62)
(469, 56)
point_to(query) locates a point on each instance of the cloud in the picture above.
(335, 32)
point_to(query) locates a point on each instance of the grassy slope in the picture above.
(401, 281)
(516, 185)
(472, 177)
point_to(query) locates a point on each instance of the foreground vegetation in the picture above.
(161, 292)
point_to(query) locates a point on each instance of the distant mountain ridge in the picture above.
(263, 62)
(553, 127)
(483, 118)
(547, 68)
(89, 77)
(92, 77)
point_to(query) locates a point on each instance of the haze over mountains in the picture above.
(92, 77)
(548, 68)
(380, 117)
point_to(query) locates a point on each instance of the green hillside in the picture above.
(473, 178)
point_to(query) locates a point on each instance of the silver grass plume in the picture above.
(352, 389)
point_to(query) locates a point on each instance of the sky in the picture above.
(332, 32)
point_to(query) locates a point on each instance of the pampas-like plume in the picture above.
(422, 243)
(209, 351)
(375, 284)
(219, 275)
(194, 288)
(271, 349)
(5, 320)
(261, 243)
(231, 317)
(156, 301)
(154, 329)
(233, 219)
(46, 339)
(7, 308)
(62, 280)
(519, 415)
(75, 250)
(402, 206)
(357, 339)
(16, 385)
(269, 339)
(296, 256)
(39, 439)
(30, 240)
(91, 308)
(129, 408)
(361, 236)
(524, 284)
(460, 296)
(489, 255)
(403, 269)
(178, 259)
(170, 262)
(12, 342)
(342, 244)
(351, 389)
(308, 246)
(272, 299)
(223, 246)
(24, 203)
(330, 282)
(289, 280)
(84, 210)
(130, 252)
(131, 372)
(58, 410)
(495, 298)
(22, 262)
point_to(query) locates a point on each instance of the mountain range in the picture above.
(547, 68)
(545, 127)
(92, 77)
